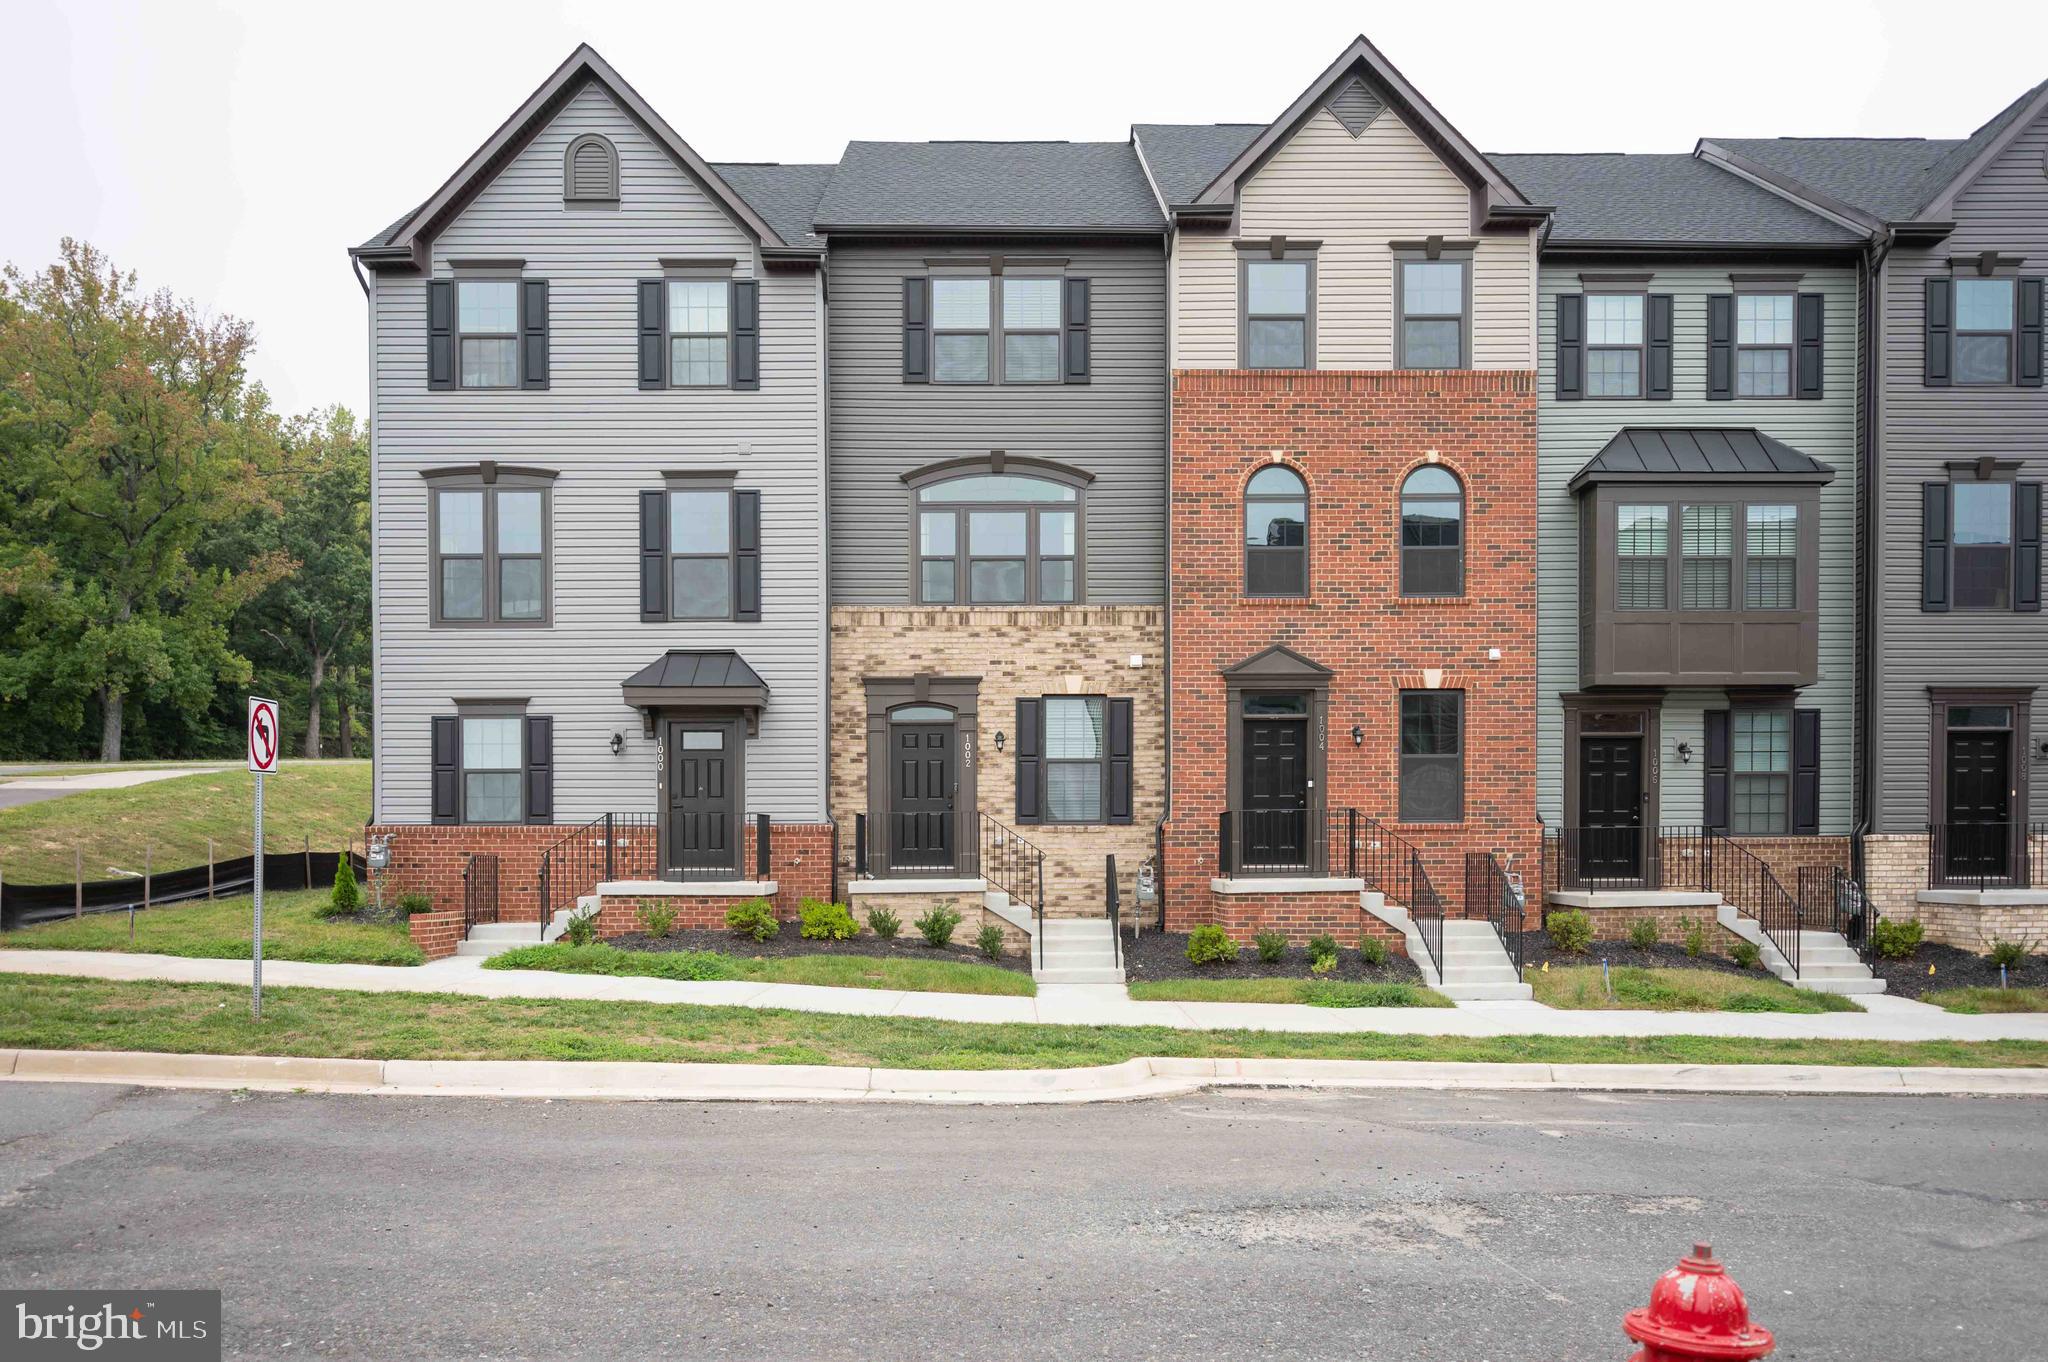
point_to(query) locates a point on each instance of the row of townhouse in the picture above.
(1332, 519)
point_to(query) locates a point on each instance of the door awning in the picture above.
(679, 679)
(1697, 454)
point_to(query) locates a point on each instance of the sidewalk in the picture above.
(1888, 1018)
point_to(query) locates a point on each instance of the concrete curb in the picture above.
(571, 1080)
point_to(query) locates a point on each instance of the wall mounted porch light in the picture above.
(999, 740)
(618, 743)
(1684, 753)
(1357, 735)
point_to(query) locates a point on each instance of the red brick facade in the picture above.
(438, 934)
(620, 913)
(1354, 436)
(1299, 917)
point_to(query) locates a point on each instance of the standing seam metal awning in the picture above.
(1691, 453)
(681, 679)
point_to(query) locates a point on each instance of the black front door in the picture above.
(921, 789)
(1979, 805)
(1275, 807)
(703, 819)
(1610, 809)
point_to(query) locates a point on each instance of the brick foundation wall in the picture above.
(1017, 653)
(1894, 873)
(1298, 917)
(619, 914)
(973, 914)
(438, 934)
(1612, 924)
(1354, 437)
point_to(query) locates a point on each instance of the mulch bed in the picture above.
(909, 946)
(1954, 968)
(1164, 955)
(1536, 949)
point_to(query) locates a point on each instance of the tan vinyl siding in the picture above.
(1355, 195)
(1571, 433)
(608, 441)
(2005, 210)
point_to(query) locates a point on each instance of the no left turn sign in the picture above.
(263, 735)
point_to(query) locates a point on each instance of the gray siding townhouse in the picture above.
(998, 509)
(1958, 433)
(598, 452)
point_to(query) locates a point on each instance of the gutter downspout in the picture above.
(1870, 493)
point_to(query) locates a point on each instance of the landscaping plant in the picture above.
(1322, 947)
(348, 896)
(1571, 931)
(1272, 947)
(884, 923)
(1321, 964)
(1898, 938)
(414, 903)
(1695, 936)
(1642, 933)
(580, 929)
(824, 921)
(1211, 945)
(658, 919)
(1745, 954)
(2009, 954)
(754, 918)
(1371, 949)
(989, 941)
(937, 926)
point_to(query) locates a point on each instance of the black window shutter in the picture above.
(2026, 547)
(1571, 347)
(1720, 347)
(1118, 802)
(746, 540)
(653, 337)
(2030, 333)
(445, 759)
(1938, 327)
(746, 335)
(1806, 772)
(1714, 812)
(653, 546)
(1657, 383)
(533, 333)
(1812, 346)
(540, 769)
(1077, 331)
(1934, 546)
(1030, 767)
(440, 335)
(917, 331)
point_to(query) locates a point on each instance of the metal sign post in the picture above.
(264, 741)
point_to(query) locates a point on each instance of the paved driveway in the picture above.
(33, 789)
(1474, 1228)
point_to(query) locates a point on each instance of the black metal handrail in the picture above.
(1745, 881)
(1829, 894)
(1110, 901)
(1380, 855)
(627, 846)
(479, 889)
(872, 858)
(1013, 865)
(1607, 858)
(1314, 842)
(1496, 897)
(1985, 855)
(1426, 911)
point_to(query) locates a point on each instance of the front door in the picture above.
(1275, 808)
(921, 792)
(1610, 809)
(703, 818)
(1979, 805)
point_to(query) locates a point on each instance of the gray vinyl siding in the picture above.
(1921, 428)
(1113, 426)
(1571, 433)
(608, 441)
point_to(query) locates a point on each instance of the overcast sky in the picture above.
(233, 151)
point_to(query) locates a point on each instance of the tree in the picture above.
(130, 429)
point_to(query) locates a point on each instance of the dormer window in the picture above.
(590, 172)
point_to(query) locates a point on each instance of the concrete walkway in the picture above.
(1888, 1018)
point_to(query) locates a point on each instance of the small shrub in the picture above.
(937, 926)
(884, 923)
(1745, 954)
(1693, 932)
(1642, 933)
(658, 919)
(1272, 947)
(1571, 931)
(348, 897)
(580, 929)
(2009, 954)
(989, 941)
(1898, 938)
(1211, 945)
(1321, 964)
(1371, 949)
(754, 918)
(414, 903)
(824, 921)
(1321, 948)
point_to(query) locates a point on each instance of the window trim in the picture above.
(2007, 473)
(1246, 500)
(992, 331)
(1753, 705)
(1100, 761)
(1641, 348)
(465, 710)
(710, 274)
(1402, 759)
(1401, 499)
(2011, 334)
(489, 479)
(1404, 256)
(999, 341)
(956, 470)
(721, 483)
(509, 273)
(1276, 249)
(1788, 290)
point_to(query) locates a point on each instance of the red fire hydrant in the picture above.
(1696, 1314)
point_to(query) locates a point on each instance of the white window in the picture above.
(699, 333)
(487, 318)
(1760, 794)
(1614, 344)
(960, 330)
(700, 562)
(1074, 759)
(1031, 330)
(1764, 336)
(492, 768)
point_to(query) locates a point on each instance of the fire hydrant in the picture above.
(1696, 1313)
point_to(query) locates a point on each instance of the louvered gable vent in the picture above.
(591, 174)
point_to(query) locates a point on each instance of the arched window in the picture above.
(590, 171)
(1432, 533)
(1276, 533)
(989, 538)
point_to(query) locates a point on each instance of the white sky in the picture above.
(233, 151)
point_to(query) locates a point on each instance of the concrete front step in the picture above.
(1101, 975)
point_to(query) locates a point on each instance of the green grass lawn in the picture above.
(326, 801)
(220, 931)
(937, 975)
(1314, 992)
(1678, 990)
(95, 1014)
(1973, 1000)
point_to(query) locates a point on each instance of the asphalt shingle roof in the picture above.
(786, 195)
(1661, 198)
(1185, 157)
(1074, 185)
(1699, 452)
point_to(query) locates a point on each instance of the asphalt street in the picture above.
(1475, 1227)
